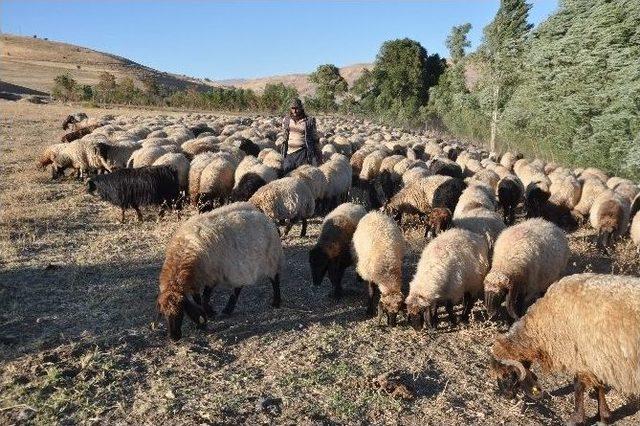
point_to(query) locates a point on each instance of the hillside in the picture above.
(299, 81)
(33, 63)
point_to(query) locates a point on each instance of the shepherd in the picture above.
(301, 143)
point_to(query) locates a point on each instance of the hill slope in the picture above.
(33, 63)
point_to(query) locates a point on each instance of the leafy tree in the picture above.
(276, 97)
(106, 88)
(64, 88)
(457, 42)
(502, 50)
(329, 85)
(126, 91)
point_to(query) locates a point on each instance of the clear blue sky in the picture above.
(222, 40)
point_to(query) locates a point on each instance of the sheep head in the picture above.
(496, 288)
(173, 306)
(512, 376)
(391, 304)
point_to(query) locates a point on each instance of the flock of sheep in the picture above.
(230, 169)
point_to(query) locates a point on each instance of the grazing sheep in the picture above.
(565, 194)
(424, 194)
(414, 174)
(327, 151)
(180, 164)
(78, 133)
(488, 177)
(476, 195)
(629, 191)
(482, 221)
(586, 325)
(194, 147)
(198, 164)
(81, 155)
(216, 183)
(145, 156)
(591, 189)
(256, 177)
(314, 178)
(527, 258)
(592, 172)
(438, 220)
(247, 146)
(231, 247)
(609, 215)
(508, 159)
(287, 200)
(451, 270)
(332, 252)
(536, 195)
(445, 167)
(134, 188)
(74, 120)
(510, 192)
(635, 206)
(116, 156)
(378, 251)
(244, 167)
(338, 173)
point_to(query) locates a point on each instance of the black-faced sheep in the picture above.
(332, 252)
(586, 325)
(527, 258)
(231, 247)
(378, 250)
(451, 270)
(73, 120)
(134, 188)
(510, 192)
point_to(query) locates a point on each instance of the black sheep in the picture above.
(248, 147)
(509, 195)
(443, 168)
(133, 188)
(248, 185)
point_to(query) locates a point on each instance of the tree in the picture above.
(64, 88)
(106, 87)
(502, 49)
(276, 97)
(329, 85)
(402, 75)
(457, 42)
(126, 91)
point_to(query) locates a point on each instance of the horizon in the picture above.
(134, 31)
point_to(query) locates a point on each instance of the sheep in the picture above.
(332, 251)
(231, 247)
(508, 159)
(134, 188)
(635, 206)
(586, 326)
(73, 120)
(145, 156)
(451, 270)
(116, 156)
(629, 191)
(439, 219)
(565, 194)
(314, 178)
(609, 215)
(194, 147)
(482, 221)
(78, 133)
(445, 167)
(592, 172)
(488, 177)
(198, 164)
(510, 191)
(477, 194)
(256, 177)
(247, 146)
(244, 167)
(338, 173)
(81, 155)
(180, 164)
(216, 183)
(287, 200)
(536, 195)
(527, 258)
(591, 189)
(424, 194)
(327, 151)
(378, 250)
(413, 175)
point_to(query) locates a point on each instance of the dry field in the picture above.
(79, 341)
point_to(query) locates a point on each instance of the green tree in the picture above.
(457, 42)
(502, 50)
(64, 88)
(402, 75)
(276, 97)
(106, 88)
(126, 91)
(329, 85)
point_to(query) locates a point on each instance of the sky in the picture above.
(245, 39)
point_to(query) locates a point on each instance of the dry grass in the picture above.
(79, 342)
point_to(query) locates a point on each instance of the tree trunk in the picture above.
(494, 119)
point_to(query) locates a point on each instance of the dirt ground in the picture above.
(80, 341)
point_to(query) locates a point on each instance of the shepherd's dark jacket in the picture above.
(311, 142)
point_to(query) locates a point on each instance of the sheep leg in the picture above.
(578, 416)
(303, 231)
(231, 303)
(206, 298)
(336, 272)
(138, 213)
(374, 296)
(275, 283)
(467, 305)
(603, 407)
(122, 215)
(431, 316)
(452, 316)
